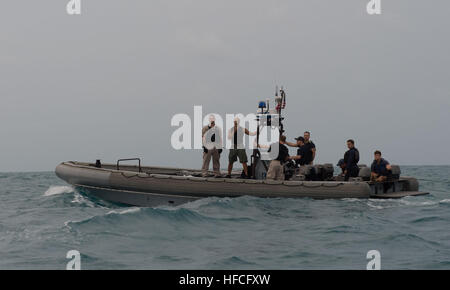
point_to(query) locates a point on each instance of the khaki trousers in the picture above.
(214, 153)
(275, 171)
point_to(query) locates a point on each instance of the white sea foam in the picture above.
(55, 190)
(408, 201)
(78, 198)
(417, 203)
(196, 204)
(376, 206)
(129, 210)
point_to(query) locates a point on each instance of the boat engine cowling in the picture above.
(317, 172)
(328, 171)
(395, 171)
(364, 173)
(289, 169)
(311, 172)
(305, 170)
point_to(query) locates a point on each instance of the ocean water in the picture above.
(42, 218)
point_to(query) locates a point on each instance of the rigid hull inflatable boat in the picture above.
(155, 186)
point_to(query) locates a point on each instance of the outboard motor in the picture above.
(323, 172)
(305, 170)
(395, 172)
(308, 171)
(364, 173)
(327, 171)
(318, 170)
(289, 169)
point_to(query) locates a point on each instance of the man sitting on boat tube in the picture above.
(212, 146)
(275, 171)
(380, 168)
(238, 151)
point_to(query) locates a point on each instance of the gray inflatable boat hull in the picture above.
(160, 186)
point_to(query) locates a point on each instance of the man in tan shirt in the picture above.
(212, 146)
(276, 170)
(236, 134)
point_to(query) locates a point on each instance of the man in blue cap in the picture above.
(341, 165)
(301, 154)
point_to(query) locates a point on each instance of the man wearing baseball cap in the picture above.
(300, 157)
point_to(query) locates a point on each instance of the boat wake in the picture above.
(208, 211)
(57, 190)
(141, 216)
(69, 196)
(215, 211)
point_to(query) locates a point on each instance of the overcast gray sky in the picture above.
(106, 84)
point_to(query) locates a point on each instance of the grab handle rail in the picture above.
(130, 159)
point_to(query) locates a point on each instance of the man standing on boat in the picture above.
(212, 146)
(309, 149)
(276, 171)
(238, 151)
(351, 159)
(306, 152)
(300, 157)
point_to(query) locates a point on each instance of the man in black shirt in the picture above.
(351, 159)
(309, 149)
(300, 157)
(275, 171)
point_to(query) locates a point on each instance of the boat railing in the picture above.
(129, 159)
